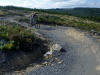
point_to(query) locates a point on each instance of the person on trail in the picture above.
(33, 20)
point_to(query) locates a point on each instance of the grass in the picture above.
(65, 20)
(16, 38)
(56, 17)
(70, 21)
(20, 47)
(14, 13)
(53, 18)
(25, 19)
(11, 13)
(50, 19)
(2, 13)
(6, 22)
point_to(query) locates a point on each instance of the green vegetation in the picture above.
(23, 45)
(85, 13)
(1, 13)
(50, 19)
(70, 21)
(65, 20)
(14, 8)
(20, 47)
(5, 22)
(25, 19)
(16, 38)
(83, 18)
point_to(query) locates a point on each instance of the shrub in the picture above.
(70, 21)
(24, 20)
(50, 19)
(1, 13)
(17, 38)
(7, 46)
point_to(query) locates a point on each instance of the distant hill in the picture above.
(81, 11)
(83, 18)
(88, 13)
(68, 11)
(14, 8)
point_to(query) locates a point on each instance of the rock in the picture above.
(93, 32)
(48, 53)
(55, 50)
(60, 62)
(62, 50)
(98, 33)
(55, 47)
(45, 63)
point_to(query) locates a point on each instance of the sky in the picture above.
(46, 4)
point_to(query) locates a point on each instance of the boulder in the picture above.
(98, 33)
(62, 50)
(55, 48)
(93, 32)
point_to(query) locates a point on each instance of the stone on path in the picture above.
(53, 48)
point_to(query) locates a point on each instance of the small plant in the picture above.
(7, 46)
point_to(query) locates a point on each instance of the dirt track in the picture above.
(82, 55)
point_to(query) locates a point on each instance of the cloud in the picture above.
(69, 3)
(48, 3)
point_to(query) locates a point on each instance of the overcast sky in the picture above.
(51, 3)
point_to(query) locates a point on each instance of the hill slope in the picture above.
(83, 18)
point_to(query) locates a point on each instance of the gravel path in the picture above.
(82, 55)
